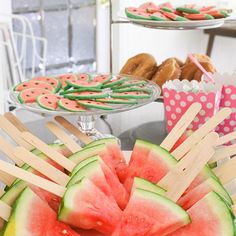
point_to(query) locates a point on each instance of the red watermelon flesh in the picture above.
(85, 206)
(48, 101)
(34, 84)
(51, 80)
(32, 216)
(196, 194)
(118, 160)
(210, 217)
(136, 13)
(152, 165)
(149, 7)
(70, 105)
(30, 95)
(150, 214)
(67, 77)
(181, 139)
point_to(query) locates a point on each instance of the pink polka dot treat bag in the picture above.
(228, 99)
(179, 95)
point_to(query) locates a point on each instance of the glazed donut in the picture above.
(188, 71)
(142, 65)
(168, 70)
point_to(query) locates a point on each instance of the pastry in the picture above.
(142, 65)
(168, 70)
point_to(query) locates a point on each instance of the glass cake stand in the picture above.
(86, 119)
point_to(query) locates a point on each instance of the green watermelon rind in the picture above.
(85, 153)
(43, 106)
(144, 184)
(129, 101)
(135, 16)
(83, 163)
(89, 96)
(84, 172)
(128, 96)
(80, 90)
(114, 83)
(67, 87)
(94, 106)
(81, 86)
(67, 109)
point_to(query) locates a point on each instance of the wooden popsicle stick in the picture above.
(42, 166)
(223, 152)
(182, 175)
(32, 179)
(226, 138)
(51, 153)
(5, 211)
(8, 150)
(16, 122)
(6, 179)
(226, 172)
(181, 126)
(63, 136)
(13, 132)
(73, 129)
(210, 125)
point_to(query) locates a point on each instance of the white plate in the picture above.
(178, 25)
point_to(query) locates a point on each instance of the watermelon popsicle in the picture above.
(32, 216)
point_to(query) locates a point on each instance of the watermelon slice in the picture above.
(148, 5)
(158, 16)
(48, 101)
(114, 150)
(117, 101)
(131, 83)
(115, 82)
(80, 208)
(33, 217)
(140, 183)
(148, 161)
(70, 105)
(136, 95)
(80, 90)
(89, 167)
(84, 84)
(30, 95)
(34, 84)
(149, 214)
(102, 78)
(67, 77)
(94, 104)
(196, 194)
(86, 95)
(56, 83)
(100, 149)
(136, 13)
(210, 217)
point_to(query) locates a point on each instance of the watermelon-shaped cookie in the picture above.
(136, 95)
(102, 78)
(70, 105)
(117, 81)
(135, 13)
(67, 77)
(48, 101)
(158, 16)
(131, 83)
(56, 83)
(84, 77)
(149, 7)
(94, 104)
(188, 9)
(117, 101)
(30, 95)
(132, 89)
(86, 95)
(80, 90)
(84, 84)
(34, 84)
